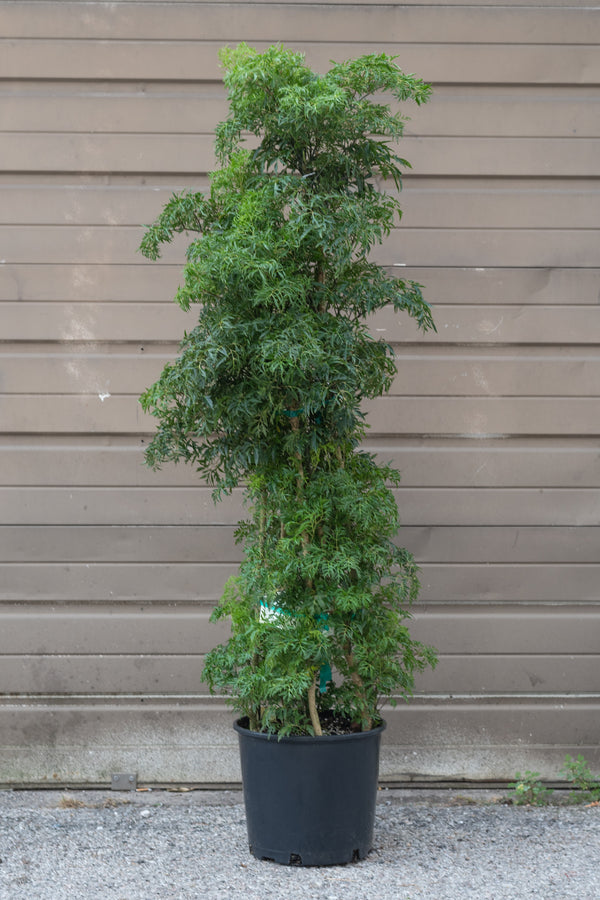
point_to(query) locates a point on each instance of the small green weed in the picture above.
(528, 790)
(587, 786)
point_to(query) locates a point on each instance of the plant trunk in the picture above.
(312, 691)
(312, 708)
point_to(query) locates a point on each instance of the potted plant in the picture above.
(267, 393)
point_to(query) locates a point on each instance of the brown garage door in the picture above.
(108, 571)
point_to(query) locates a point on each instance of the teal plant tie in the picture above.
(294, 413)
(324, 676)
(319, 416)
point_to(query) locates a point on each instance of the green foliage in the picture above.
(267, 389)
(528, 790)
(587, 786)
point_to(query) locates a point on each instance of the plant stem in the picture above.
(295, 424)
(312, 691)
(312, 708)
(357, 680)
(263, 524)
(321, 280)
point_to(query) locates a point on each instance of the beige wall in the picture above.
(108, 571)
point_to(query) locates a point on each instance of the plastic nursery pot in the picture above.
(310, 801)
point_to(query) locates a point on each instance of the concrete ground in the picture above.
(429, 845)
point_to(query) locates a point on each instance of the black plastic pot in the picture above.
(310, 801)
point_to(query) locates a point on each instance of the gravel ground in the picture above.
(434, 845)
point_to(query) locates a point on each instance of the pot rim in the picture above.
(306, 738)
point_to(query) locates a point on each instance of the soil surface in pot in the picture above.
(332, 724)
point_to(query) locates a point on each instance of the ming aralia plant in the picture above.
(266, 392)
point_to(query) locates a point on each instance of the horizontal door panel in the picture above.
(491, 324)
(497, 735)
(82, 108)
(96, 204)
(103, 283)
(48, 744)
(484, 417)
(159, 738)
(117, 460)
(131, 582)
(50, 282)
(499, 203)
(105, 674)
(36, 631)
(497, 544)
(198, 543)
(469, 417)
(487, 583)
(504, 674)
(92, 370)
(95, 321)
(427, 203)
(453, 111)
(502, 506)
(488, 247)
(466, 632)
(203, 582)
(194, 506)
(140, 674)
(501, 156)
(506, 110)
(462, 247)
(45, 740)
(453, 372)
(118, 506)
(503, 462)
(106, 153)
(113, 543)
(479, 630)
(188, 60)
(165, 322)
(498, 372)
(99, 414)
(289, 22)
(153, 153)
(83, 245)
